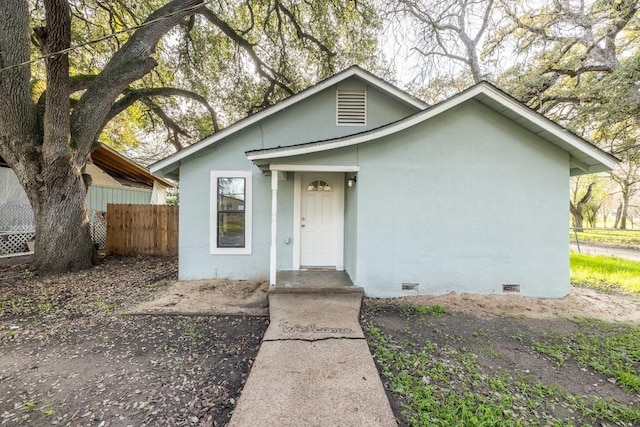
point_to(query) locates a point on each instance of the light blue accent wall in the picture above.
(285, 223)
(464, 202)
(98, 196)
(309, 120)
(314, 118)
(195, 260)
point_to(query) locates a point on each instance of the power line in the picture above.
(103, 38)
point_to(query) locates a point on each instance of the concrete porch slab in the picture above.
(312, 279)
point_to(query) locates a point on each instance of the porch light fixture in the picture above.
(351, 182)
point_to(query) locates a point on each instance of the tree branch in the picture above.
(581, 70)
(128, 64)
(17, 110)
(302, 35)
(133, 95)
(56, 37)
(174, 130)
(485, 22)
(577, 208)
(442, 54)
(263, 70)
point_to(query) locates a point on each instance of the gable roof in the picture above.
(585, 157)
(124, 170)
(170, 163)
(119, 167)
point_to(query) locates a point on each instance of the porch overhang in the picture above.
(313, 168)
(278, 172)
(268, 168)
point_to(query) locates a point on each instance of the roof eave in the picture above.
(127, 166)
(169, 164)
(479, 91)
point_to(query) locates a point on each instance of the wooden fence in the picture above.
(142, 229)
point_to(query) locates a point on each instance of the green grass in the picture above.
(427, 310)
(626, 237)
(612, 349)
(605, 273)
(444, 386)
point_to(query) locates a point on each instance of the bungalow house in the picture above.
(114, 179)
(353, 174)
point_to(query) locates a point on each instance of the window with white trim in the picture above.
(351, 107)
(231, 212)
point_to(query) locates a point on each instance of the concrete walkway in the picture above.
(314, 367)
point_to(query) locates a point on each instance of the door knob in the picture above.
(302, 225)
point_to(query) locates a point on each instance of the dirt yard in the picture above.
(581, 302)
(69, 356)
(474, 360)
(476, 351)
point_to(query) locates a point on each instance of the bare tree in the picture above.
(580, 65)
(627, 177)
(577, 207)
(447, 35)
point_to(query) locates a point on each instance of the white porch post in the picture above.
(274, 227)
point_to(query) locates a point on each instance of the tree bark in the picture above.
(63, 238)
(576, 210)
(577, 221)
(618, 214)
(625, 209)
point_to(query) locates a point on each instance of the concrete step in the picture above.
(317, 290)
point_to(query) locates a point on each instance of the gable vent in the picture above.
(351, 108)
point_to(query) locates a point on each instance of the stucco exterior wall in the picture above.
(464, 202)
(314, 118)
(309, 120)
(195, 260)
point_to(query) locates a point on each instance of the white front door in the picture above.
(321, 220)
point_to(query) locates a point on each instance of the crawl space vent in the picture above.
(410, 287)
(351, 108)
(511, 288)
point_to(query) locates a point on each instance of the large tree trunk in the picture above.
(48, 146)
(63, 238)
